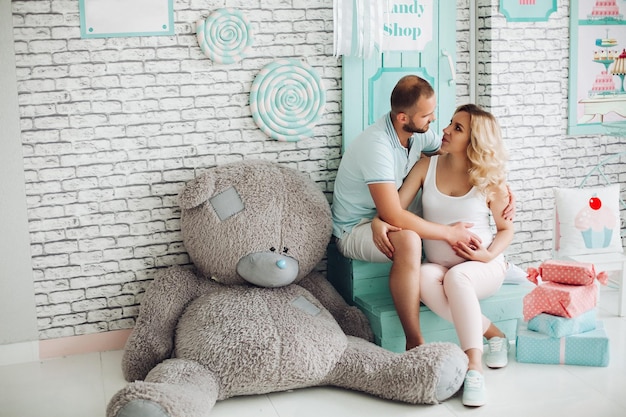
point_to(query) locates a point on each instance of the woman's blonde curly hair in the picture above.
(485, 151)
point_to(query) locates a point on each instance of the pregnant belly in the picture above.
(441, 253)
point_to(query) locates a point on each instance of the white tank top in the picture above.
(445, 209)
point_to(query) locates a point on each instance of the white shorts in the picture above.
(359, 244)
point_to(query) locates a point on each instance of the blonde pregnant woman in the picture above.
(466, 183)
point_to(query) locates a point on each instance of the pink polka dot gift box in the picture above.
(560, 300)
(566, 272)
(564, 289)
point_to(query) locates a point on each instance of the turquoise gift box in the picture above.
(555, 326)
(587, 349)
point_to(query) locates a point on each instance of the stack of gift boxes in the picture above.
(560, 324)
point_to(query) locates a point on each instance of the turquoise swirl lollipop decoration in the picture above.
(286, 100)
(224, 36)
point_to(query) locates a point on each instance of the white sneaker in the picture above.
(498, 354)
(474, 392)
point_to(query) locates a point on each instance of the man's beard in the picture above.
(411, 128)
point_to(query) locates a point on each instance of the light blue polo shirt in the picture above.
(376, 155)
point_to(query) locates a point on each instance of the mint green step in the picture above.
(503, 309)
(353, 278)
(397, 344)
(366, 285)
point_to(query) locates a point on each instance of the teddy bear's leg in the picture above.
(174, 388)
(427, 374)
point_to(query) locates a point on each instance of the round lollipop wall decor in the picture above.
(286, 100)
(225, 36)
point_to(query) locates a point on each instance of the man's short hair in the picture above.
(408, 91)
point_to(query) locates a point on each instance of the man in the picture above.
(369, 176)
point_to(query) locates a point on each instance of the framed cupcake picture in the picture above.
(597, 99)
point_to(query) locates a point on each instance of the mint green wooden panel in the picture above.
(505, 305)
(380, 85)
(367, 96)
(362, 269)
(352, 277)
(398, 343)
(367, 83)
(374, 285)
(339, 272)
(366, 285)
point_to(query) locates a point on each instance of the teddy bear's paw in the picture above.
(150, 399)
(141, 408)
(451, 375)
(138, 399)
(438, 368)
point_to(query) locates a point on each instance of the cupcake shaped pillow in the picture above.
(596, 223)
(587, 220)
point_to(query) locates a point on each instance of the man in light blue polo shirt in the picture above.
(375, 156)
(369, 176)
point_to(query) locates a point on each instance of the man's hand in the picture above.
(379, 234)
(459, 233)
(509, 210)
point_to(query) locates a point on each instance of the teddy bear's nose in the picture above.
(268, 269)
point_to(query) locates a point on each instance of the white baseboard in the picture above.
(19, 353)
(54, 348)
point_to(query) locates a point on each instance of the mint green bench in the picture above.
(366, 285)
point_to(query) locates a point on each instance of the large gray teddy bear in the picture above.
(254, 316)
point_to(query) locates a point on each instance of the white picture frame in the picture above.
(122, 18)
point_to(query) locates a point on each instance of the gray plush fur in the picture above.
(208, 334)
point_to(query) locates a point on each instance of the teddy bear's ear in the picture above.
(196, 191)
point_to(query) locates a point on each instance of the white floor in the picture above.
(82, 385)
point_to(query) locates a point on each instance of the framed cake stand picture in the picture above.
(597, 66)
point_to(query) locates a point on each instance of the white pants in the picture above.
(453, 294)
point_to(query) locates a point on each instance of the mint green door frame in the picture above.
(367, 83)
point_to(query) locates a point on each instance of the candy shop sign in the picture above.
(408, 25)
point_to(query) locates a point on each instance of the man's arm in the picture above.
(391, 211)
(509, 211)
(392, 208)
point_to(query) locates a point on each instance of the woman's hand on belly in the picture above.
(473, 251)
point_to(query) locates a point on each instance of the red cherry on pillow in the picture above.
(595, 203)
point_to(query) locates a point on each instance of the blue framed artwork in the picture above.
(527, 10)
(120, 18)
(597, 99)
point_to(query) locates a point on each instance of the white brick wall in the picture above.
(524, 81)
(113, 128)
